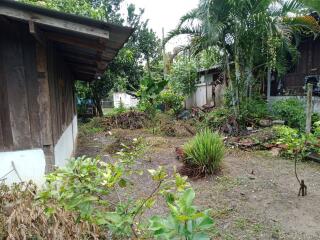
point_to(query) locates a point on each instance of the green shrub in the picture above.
(79, 186)
(171, 100)
(205, 151)
(295, 142)
(215, 119)
(253, 110)
(290, 110)
(316, 129)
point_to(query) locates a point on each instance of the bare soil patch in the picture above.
(254, 196)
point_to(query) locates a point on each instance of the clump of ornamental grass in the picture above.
(203, 154)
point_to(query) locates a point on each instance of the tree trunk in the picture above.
(229, 80)
(309, 108)
(238, 79)
(249, 77)
(97, 103)
(269, 84)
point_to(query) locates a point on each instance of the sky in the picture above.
(164, 13)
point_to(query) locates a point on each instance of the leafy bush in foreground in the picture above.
(184, 220)
(204, 152)
(290, 110)
(89, 188)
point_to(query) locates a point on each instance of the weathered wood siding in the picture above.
(36, 91)
(308, 64)
(19, 119)
(61, 92)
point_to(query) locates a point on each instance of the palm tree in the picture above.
(252, 34)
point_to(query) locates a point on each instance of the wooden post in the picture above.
(309, 107)
(45, 107)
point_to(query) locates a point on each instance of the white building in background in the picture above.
(209, 90)
(127, 100)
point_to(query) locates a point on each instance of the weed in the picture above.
(221, 213)
(241, 223)
(257, 228)
(228, 236)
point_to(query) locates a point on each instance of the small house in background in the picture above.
(126, 99)
(42, 53)
(209, 90)
(307, 70)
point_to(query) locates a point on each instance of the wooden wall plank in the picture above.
(16, 89)
(52, 88)
(6, 134)
(61, 91)
(44, 96)
(1, 137)
(33, 91)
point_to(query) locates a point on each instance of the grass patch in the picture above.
(221, 213)
(241, 223)
(226, 183)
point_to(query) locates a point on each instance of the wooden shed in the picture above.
(293, 83)
(42, 53)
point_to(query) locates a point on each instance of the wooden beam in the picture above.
(85, 61)
(77, 59)
(34, 31)
(54, 22)
(75, 41)
(77, 67)
(85, 72)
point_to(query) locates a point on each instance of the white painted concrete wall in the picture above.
(127, 100)
(202, 96)
(30, 165)
(315, 101)
(65, 147)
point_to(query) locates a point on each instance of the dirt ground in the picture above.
(254, 197)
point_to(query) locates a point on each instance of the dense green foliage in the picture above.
(183, 75)
(171, 100)
(150, 88)
(215, 119)
(252, 110)
(316, 128)
(290, 110)
(205, 151)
